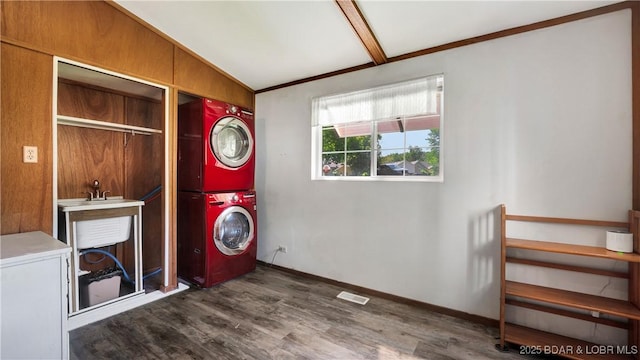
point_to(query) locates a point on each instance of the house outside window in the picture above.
(391, 132)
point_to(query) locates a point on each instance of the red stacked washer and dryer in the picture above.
(217, 237)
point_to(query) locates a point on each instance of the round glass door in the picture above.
(233, 230)
(231, 141)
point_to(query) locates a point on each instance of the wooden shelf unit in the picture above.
(534, 297)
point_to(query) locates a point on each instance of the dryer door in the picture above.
(231, 141)
(233, 230)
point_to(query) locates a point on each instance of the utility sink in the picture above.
(84, 204)
(97, 231)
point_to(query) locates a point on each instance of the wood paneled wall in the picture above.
(194, 76)
(92, 32)
(105, 35)
(89, 31)
(144, 159)
(25, 119)
(88, 154)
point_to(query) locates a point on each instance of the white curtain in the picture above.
(410, 98)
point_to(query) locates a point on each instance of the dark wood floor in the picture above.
(271, 314)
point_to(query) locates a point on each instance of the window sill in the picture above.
(430, 179)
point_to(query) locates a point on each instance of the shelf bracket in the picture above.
(127, 139)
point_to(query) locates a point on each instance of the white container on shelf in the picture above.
(620, 241)
(99, 291)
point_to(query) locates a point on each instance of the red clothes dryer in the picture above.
(215, 147)
(218, 236)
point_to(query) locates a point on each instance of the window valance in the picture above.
(410, 98)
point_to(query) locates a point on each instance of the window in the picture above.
(388, 132)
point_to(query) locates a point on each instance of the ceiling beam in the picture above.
(361, 27)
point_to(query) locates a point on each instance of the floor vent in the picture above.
(353, 298)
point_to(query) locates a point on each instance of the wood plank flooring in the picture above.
(271, 314)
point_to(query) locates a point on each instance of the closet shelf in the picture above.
(104, 125)
(536, 339)
(573, 299)
(569, 249)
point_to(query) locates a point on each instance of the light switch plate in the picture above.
(30, 154)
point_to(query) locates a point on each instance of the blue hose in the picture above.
(119, 264)
(151, 193)
(115, 259)
(154, 272)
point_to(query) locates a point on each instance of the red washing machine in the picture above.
(215, 147)
(218, 236)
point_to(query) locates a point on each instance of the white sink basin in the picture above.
(100, 232)
(84, 204)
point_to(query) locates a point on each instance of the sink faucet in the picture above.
(95, 195)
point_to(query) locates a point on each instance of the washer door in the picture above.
(233, 230)
(231, 141)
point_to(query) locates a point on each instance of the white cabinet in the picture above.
(33, 297)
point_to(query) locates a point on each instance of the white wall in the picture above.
(539, 121)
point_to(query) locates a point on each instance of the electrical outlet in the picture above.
(30, 154)
(282, 248)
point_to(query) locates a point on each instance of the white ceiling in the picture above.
(268, 43)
